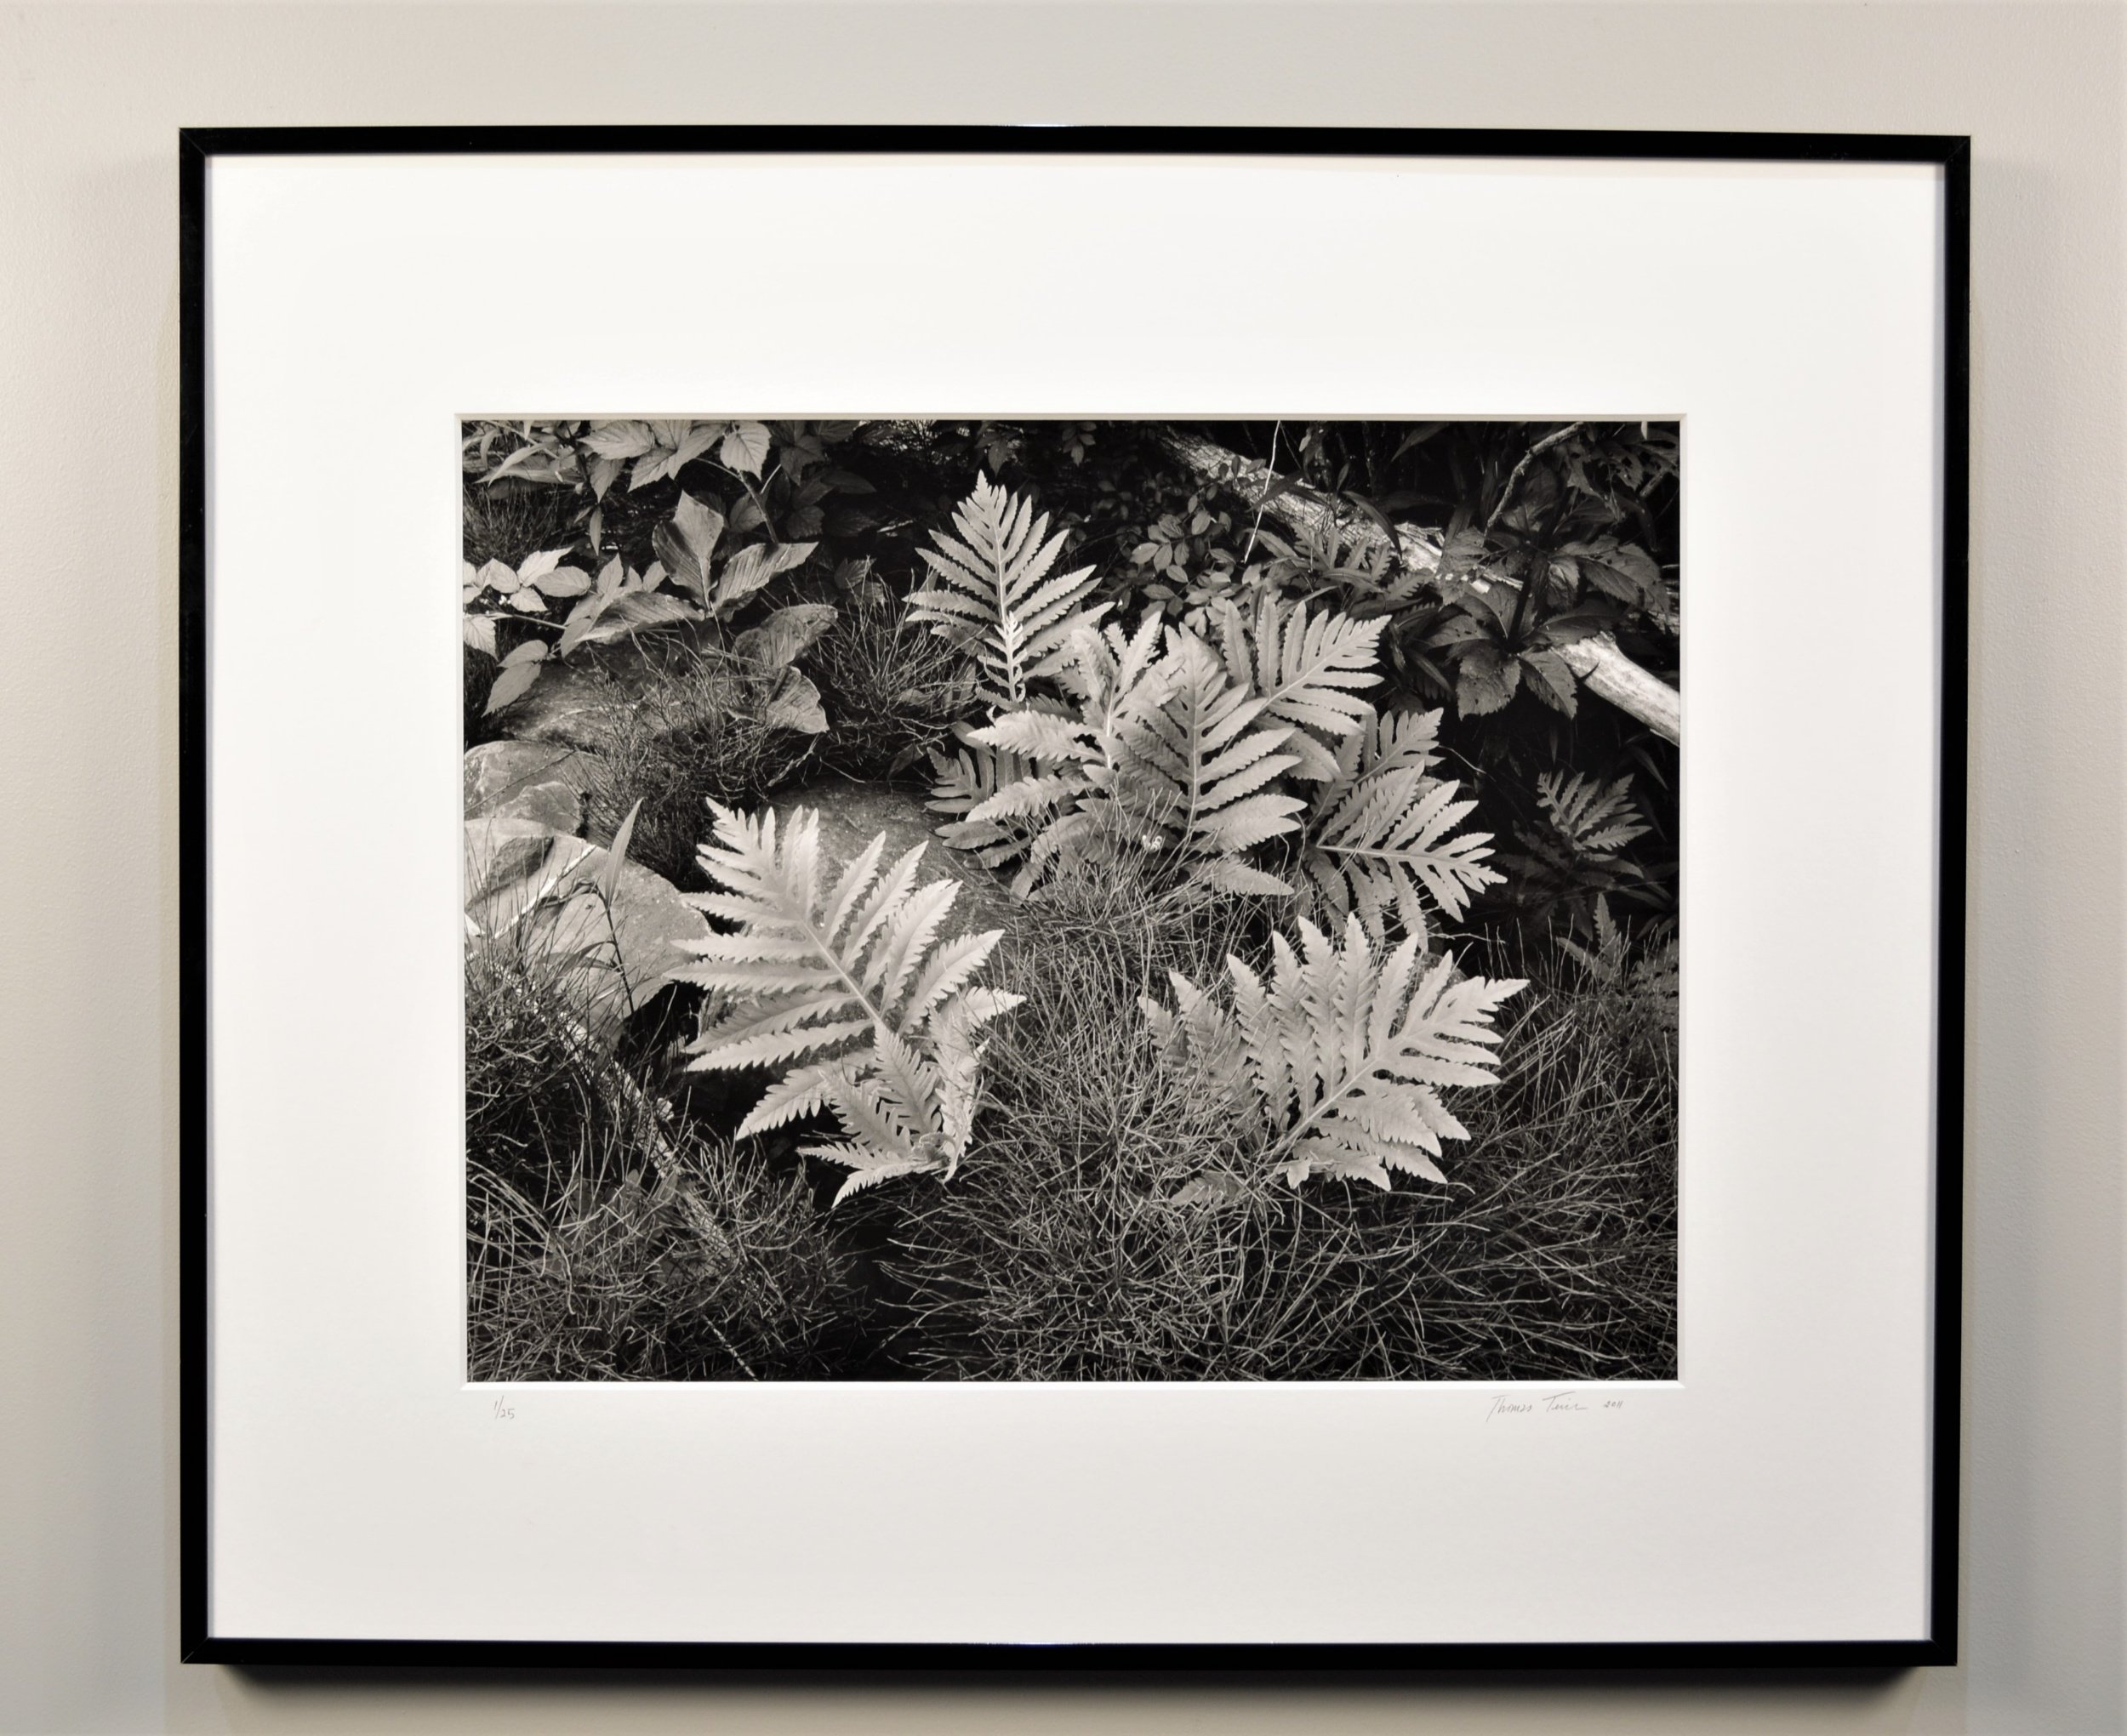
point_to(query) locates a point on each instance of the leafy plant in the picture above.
(846, 985)
(1380, 836)
(525, 589)
(686, 544)
(969, 789)
(1364, 569)
(1643, 992)
(661, 449)
(992, 594)
(1335, 1066)
(1307, 673)
(1185, 561)
(1577, 854)
(620, 602)
(1164, 757)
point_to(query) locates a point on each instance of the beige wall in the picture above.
(90, 100)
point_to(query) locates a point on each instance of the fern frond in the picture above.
(1595, 820)
(1186, 765)
(991, 593)
(1308, 672)
(849, 971)
(1381, 836)
(962, 785)
(1336, 1063)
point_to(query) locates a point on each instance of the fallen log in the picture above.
(1603, 669)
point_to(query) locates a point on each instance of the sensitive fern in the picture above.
(1381, 835)
(965, 784)
(1595, 821)
(992, 593)
(1334, 1066)
(845, 983)
(1164, 757)
(1307, 671)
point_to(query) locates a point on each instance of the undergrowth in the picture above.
(893, 691)
(509, 520)
(1063, 1254)
(692, 738)
(610, 1240)
(1270, 747)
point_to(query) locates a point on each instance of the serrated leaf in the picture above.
(992, 590)
(746, 447)
(1485, 680)
(1335, 1065)
(619, 440)
(841, 967)
(1550, 679)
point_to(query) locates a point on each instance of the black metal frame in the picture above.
(1952, 155)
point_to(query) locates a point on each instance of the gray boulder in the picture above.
(536, 781)
(852, 814)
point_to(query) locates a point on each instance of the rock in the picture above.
(584, 700)
(532, 889)
(852, 814)
(537, 780)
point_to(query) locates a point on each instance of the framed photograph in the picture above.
(1072, 898)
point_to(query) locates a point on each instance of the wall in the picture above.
(90, 100)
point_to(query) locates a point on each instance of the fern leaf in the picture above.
(1188, 761)
(1225, 875)
(1595, 820)
(991, 592)
(1308, 672)
(849, 972)
(1338, 1060)
(1035, 735)
(791, 1098)
(962, 789)
(868, 1173)
(1382, 834)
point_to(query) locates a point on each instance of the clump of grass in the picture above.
(695, 733)
(702, 1264)
(1057, 1252)
(535, 1083)
(893, 690)
(1060, 1251)
(607, 1239)
(509, 519)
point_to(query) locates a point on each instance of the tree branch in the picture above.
(1601, 666)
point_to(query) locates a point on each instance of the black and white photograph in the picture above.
(1066, 901)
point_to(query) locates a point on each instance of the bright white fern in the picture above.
(1307, 671)
(1164, 760)
(844, 982)
(1335, 1066)
(1381, 838)
(991, 593)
